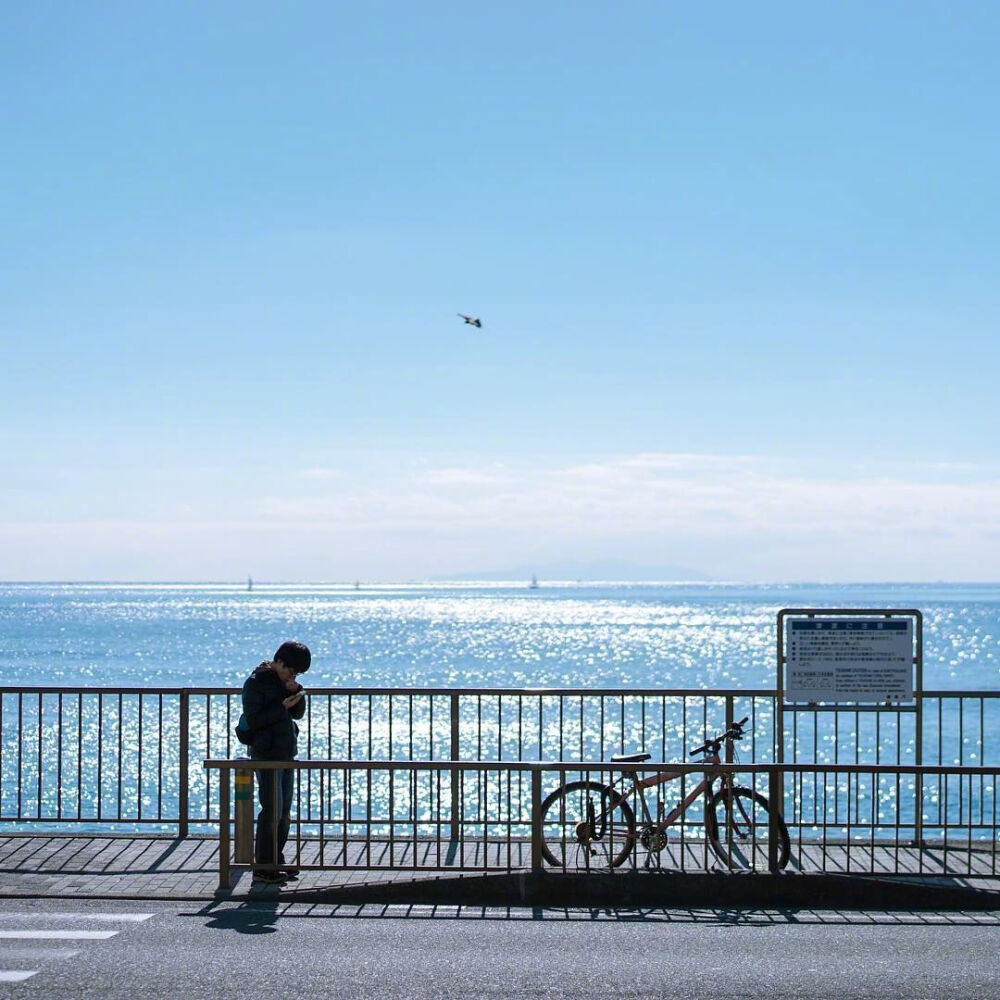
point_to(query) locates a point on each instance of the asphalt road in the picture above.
(106, 949)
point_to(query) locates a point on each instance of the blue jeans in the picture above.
(274, 792)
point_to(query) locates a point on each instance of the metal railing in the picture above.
(130, 757)
(401, 815)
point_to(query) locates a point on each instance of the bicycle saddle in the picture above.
(630, 758)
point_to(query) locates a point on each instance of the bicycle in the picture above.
(587, 825)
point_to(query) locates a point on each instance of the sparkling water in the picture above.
(587, 637)
(616, 635)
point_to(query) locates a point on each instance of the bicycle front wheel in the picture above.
(586, 826)
(738, 830)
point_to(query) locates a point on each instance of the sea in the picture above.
(103, 759)
(462, 635)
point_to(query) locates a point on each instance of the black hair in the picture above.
(294, 655)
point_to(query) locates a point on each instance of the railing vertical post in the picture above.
(918, 810)
(918, 722)
(224, 811)
(454, 755)
(774, 785)
(536, 818)
(729, 725)
(277, 805)
(182, 767)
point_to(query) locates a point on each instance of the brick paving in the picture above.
(123, 866)
(144, 866)
(112, 866)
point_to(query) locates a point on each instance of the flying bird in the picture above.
(471, 320)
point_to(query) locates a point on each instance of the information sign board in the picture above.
(849, 659)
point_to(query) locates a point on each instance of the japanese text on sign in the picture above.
(851, 659)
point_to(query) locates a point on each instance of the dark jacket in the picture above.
(272, 726)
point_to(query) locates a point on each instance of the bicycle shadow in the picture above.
(783, 916)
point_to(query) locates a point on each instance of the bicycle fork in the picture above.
(586, 832)
(739, 823)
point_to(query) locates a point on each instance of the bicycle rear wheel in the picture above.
(738, 830)
(586, 826)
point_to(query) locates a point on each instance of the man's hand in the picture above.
(292, 699)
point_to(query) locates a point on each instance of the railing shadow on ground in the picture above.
(260, 916)
(97, 855)
(173, 870)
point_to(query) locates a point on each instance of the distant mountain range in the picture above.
(604, 569)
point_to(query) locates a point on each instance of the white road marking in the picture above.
(16, 975)
(53, 935)
(41, 953)
(37, 953)
(129, 918)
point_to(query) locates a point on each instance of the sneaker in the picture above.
(269, 878)
(289, 871)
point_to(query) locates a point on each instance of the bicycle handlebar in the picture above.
(735, 732)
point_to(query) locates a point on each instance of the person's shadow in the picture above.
(258, 917)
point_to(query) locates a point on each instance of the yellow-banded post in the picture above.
(243, 838)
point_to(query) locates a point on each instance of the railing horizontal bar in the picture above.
(103, 823)
(631, 692)
(564, 767)
(403, 691)
(794, 707)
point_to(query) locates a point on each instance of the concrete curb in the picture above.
(628, 890)
(841, 892)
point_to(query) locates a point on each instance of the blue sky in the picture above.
(736, 266)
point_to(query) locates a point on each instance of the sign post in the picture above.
(853, 660)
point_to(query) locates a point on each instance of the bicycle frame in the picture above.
(704, 787)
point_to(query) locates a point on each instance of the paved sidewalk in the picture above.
(159, 867)
(111, 866)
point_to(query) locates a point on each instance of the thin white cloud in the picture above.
(320, 473)
(730, 516)
(464, 477)
(701, 494)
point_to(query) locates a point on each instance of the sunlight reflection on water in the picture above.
(590, 635)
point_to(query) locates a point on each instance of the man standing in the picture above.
(272, 700)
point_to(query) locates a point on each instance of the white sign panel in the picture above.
(849, 659)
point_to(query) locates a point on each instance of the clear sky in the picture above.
(736, 266)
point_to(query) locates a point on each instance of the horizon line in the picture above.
(520, 581)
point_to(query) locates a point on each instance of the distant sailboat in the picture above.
(534, 582)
